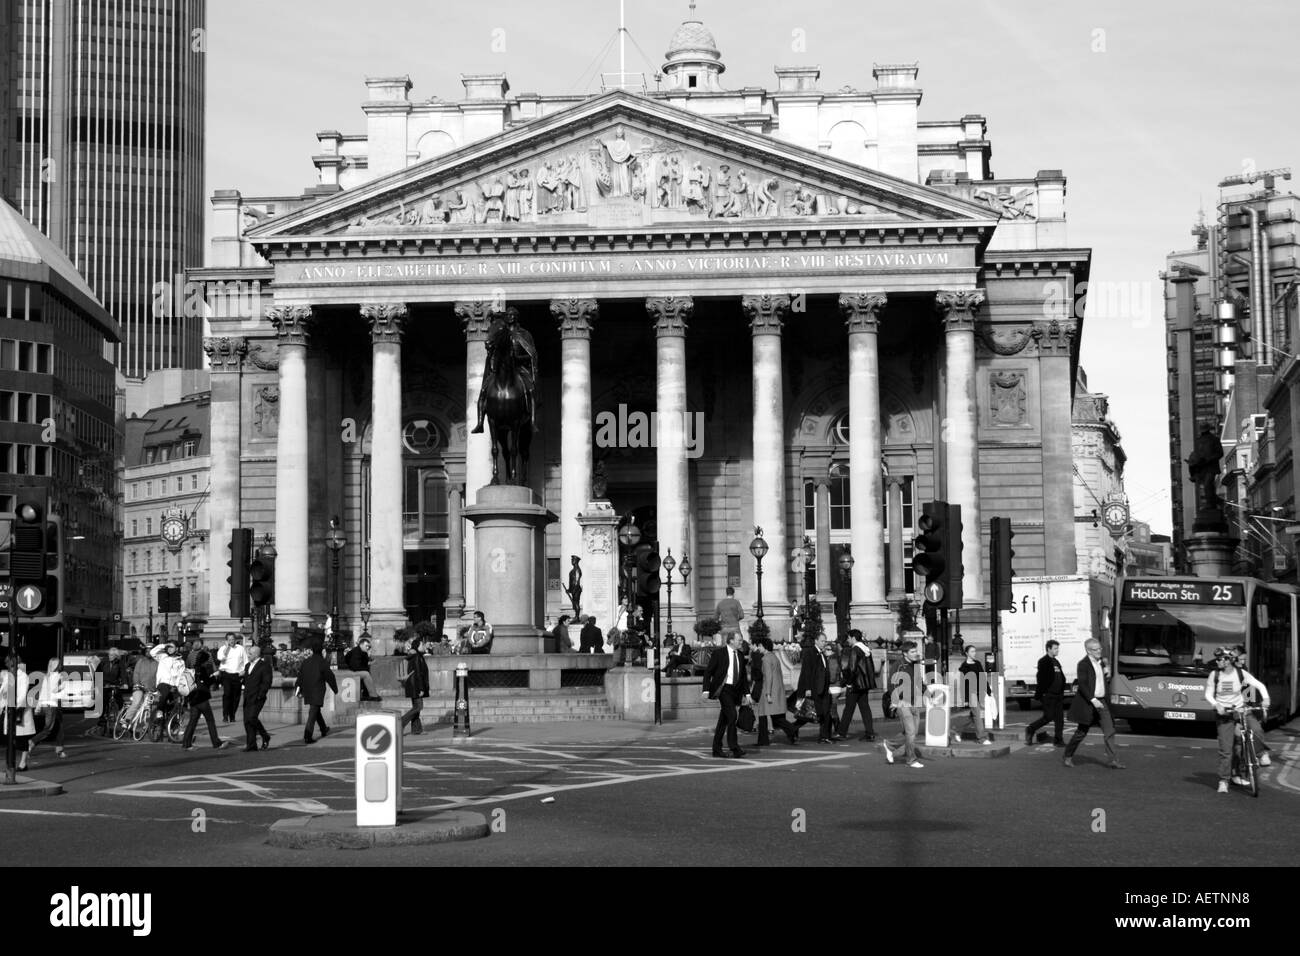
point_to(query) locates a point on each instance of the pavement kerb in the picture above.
(339, 831)
(29, 787)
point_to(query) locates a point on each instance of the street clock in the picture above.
(1115, 516)
(174, 528)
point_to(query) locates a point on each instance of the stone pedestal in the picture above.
(599, 563)
(1210, 554)
(508, 556)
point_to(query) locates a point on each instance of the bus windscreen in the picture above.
(1175, 639)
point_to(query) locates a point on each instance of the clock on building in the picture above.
(1115, 516)
(174, 530)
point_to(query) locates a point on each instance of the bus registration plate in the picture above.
(1179, 715)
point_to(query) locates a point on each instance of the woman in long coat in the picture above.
(769, 701)
(25, 727)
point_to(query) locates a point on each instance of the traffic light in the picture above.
(55, 595)
(262, 572)
(27, 554)
(1000, 535)
(241, 547)
(937, 553)
(647, 571)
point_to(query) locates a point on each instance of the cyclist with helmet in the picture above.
(1226, 690)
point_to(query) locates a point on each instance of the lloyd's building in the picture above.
(795, 309)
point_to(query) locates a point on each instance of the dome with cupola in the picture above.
(693, 61)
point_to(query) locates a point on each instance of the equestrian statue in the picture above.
(507, 400)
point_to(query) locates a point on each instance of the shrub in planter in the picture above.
(289, 663)
(758, 629)
(707, 627)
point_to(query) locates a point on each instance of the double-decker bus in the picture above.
(1165, 633)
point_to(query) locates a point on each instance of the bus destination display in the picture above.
(1185, 592)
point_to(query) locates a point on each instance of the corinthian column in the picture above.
(862, 316)
(293, 323)
(387, 600)
(961, 447)
(226, 356)
(576, 317)
(475, 316)
(672, 497)
(765, 314)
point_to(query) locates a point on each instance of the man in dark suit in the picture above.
(257, 684)
(861, 680)
(1051, 690)
(1089, 705)
(725, 681)
(590, 638)
(314, 677)
(814, 682)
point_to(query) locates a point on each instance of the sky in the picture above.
(1144, 106)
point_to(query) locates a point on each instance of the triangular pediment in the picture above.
(621, 161)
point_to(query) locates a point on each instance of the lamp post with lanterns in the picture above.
(335, 541)
(365, 618)
(758, 548)
(846, 580)
(269, 552)
(629, 536)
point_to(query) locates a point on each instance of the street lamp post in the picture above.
(365, 618)
(846, 579)
(269, 552)
(629, 536)
(758, 548)
(335, 542)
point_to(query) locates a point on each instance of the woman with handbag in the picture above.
(25, 725)
(49, 706)
(417, 682)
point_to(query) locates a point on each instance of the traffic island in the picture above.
(340, 832)
(27, 787)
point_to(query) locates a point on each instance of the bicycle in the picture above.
(1245, 757)
(138, 724)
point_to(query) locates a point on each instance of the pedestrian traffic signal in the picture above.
(647, 571)
(262, 574)
(27, 549)
(1001, 553)
(241, 547)
(937, 553)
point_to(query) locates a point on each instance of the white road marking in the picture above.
(116, 816)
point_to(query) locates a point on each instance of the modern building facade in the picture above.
(1246, 263)
(833, 309)
(58, 428)
(101, 146)
(165, 510)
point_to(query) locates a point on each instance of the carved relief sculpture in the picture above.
(1007, 398)
(266, 411)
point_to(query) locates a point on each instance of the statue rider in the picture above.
(525, 356)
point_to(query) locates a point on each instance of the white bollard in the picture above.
(379, 768)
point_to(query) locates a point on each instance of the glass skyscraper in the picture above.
(102, 150)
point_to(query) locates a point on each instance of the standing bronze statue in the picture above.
(1203, 467)
(574, 590)
(507, 400)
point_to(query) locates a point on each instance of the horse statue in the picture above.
(507, 398)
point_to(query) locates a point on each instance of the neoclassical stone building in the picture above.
(833, 309)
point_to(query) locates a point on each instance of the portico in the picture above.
(861, 294)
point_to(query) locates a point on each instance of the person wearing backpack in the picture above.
(1226, 691)
(200, 702)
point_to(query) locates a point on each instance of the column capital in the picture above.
(475, 316)
(292, 323)
(226, 354)
(1055, 337)
(386, 320)
(576, 316)
(959, 308)
(861, 310)
(765, 312)
(670, 313)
